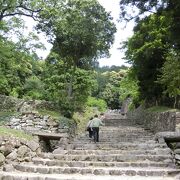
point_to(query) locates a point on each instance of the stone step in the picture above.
(34, 176)
(112, 137)
(164, 151)
(116, 123)
(115, 171)
(113, 140)
(121, 146)
(110, 157)
(124, 129)
(49, 162)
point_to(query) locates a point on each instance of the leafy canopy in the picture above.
(80, 30)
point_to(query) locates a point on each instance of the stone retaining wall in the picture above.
(14, 150)
(9, 103)
(155, 122)
(33, 122)
(28, 118)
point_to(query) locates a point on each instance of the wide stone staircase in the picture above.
(125, 152)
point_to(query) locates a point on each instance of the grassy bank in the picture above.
(161, 109)
(15, 133)
(82, 118)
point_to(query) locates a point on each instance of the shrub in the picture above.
(99, 103)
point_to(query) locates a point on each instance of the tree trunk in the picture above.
(175, 100)
(70, 88)
(70, 85)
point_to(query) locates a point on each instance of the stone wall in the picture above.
(9, 103)
(33, 122)
(28, 118)
(154, 121)
(14, 150)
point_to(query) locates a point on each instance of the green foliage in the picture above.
(111, 68)
(58, 79)
(57, 116)
(129, 88)
(65, 122)
(111, 96)
(146, 50)
(29, 8)
(83, 31)
(98, 103)
(81, 118)
(109, 91)
(14, 68)
(33, 88)
(155, 34)
(170, 77)
(80, 30)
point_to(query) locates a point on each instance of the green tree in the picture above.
(110, 92)
(57, 77)
(167, 39)
(170, 77)
(81, 31)
(15, 67)
(129, 88)
(33, 88)
(145, 51)
(98, 103)
(29, 8)
(167, 8)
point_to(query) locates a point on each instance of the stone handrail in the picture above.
(51, 136)
(168, 136)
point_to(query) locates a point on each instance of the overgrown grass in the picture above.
(63, 121)
(15, 133)
(161, 109)
(83, 117)
(54, 114)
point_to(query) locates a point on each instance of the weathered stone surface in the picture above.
(6, 149)
(23, 151)
(177, 151)
(156, 122)
(58, 150)
(33, 145)
(2, 159)
(13, 155)
(177, 156)
(8, 168)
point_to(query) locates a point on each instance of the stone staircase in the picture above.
(124, 152)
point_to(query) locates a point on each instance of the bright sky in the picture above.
(122, 34)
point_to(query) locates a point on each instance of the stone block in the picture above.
(8, 168)
(2, 159)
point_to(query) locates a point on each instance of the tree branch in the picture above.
(18, 11)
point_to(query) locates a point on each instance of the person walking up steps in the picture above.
(89, 127)
(96, 122)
